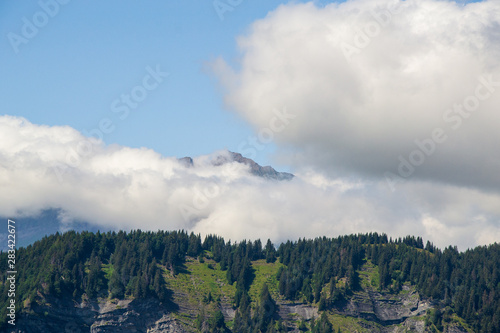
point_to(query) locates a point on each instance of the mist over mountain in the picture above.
(113, 187)
(267, 172)
(50, 221)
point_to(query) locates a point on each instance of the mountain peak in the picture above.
(261, 171)
(256, 169)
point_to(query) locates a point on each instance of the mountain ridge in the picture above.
(267, 172)
(175, 282)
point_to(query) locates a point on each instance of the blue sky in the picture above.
(90, 53)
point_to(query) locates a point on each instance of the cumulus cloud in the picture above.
(381, 88)
(118, 187)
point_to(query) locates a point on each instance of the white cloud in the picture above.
(366, 78)
(121, 187)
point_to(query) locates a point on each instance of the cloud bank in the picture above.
(406, 89)
(123, 188)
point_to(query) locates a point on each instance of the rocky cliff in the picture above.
(99, 316)
(366, 311)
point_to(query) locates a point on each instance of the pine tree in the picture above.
(217, 323)
(322, 305)
(323, 325)
(266, 310)
(270, 252)
(115, 285)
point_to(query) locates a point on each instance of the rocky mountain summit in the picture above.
(267, 172)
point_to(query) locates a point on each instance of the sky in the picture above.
(90, 53)
(385, 110)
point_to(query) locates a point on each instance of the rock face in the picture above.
(385, 309)
(136, 316)
(257, 170)
(370, 310)
(381, 313)
(455, 328)
(300, 310)
(186, 161)
(418, 326)
(98, 317)
(409, 325)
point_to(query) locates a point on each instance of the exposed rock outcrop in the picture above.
(383, 314)
(267, 172)
(257, 170)
(186, 161)
(369, 309)
(385, 309)
(300, 310)
(141, 316)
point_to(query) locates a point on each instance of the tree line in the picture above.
(320, 271)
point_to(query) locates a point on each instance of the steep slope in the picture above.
(367, 311)
(173, 282)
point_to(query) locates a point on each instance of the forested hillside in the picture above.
(253, 277)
